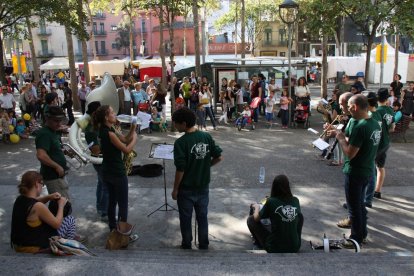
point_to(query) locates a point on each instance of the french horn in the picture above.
(106, 94)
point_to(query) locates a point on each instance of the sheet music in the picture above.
(320, 144)
(164, 151)
(313, 130)
(143, 119)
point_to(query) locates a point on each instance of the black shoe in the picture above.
(203, 247)
(185, 246)
(369, 205)
(377, 195)
(345, 205)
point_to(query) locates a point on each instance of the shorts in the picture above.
(381, 157)
(58, 185)
(269, 116)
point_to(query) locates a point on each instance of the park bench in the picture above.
(401, 127)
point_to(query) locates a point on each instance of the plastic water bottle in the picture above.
(262, 175)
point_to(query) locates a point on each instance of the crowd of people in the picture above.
(361, 148)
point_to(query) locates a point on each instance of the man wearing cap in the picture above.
(49, 152)
(82, 92)
(124, 95)
(357, 88)
(344, 85)
(91, 137)
(386, 114)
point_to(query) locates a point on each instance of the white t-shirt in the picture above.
(239, 96)
(127, 95)
(269, 104)
(301, 91)
(205, 96)
(61, 96)
(7, 101)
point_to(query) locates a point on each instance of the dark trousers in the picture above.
(187, 201)
(83, 103)
(284, 115)
(355, 187)
(118, 195)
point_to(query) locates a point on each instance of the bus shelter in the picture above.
(241, 70)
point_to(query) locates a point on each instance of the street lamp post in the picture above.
(288, 11)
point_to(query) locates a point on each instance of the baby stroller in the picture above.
(301, 114)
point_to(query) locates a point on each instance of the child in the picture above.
(5, 123)
(284, 108)
(157, 122)
(21, 129)
(270, 102)
(396, 106)
(244, 116)
(239, 97)
(67, 229)
(201, 117)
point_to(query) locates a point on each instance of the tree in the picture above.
(196, 39)
(368, 15)
(123, 39)
(321, 19)
(254, 14)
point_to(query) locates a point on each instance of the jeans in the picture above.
(186, 201)
(369, 194)
(355, 187)
(209, 113)
(118, 195)
(102, 196)
(255, 114)
(284, 115)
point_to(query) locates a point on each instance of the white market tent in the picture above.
(113, 67)
(375, 68)
(55, 64)
(350, 65)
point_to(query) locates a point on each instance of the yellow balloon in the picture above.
(14, 138)
(11, 128)
(27, 117)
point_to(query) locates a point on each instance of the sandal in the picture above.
(133, 237)
(333, 164)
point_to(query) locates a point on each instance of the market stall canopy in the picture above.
(113, 67)
(55, 64)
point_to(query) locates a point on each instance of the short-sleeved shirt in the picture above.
(284, 217)
(49, 140)
(7, 101)
(186, 87)
(91, 135)
(112, 163)
(269, 104)
(364, 134)
(192, 155)
(386, 113)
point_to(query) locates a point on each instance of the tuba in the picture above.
(106, 94)
(325, 108)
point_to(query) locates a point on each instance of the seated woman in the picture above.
(32, 222)
(283, 210)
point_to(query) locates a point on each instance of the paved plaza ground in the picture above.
(234, 185)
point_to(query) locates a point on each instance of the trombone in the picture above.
(338, 118)
(73, 153)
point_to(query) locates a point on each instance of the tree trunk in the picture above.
(243, 30)
(196, 39)
(72, 70)
(185, 38)
(324, 78)
(131, 38)
(85, 61)
(2, 69)
(91, 34)
(32, 49)
(368, 55)
(397, 46)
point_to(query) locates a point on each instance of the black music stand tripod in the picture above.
(165, 152)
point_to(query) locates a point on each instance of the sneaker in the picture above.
(348, 244)
(133, 237)
(365, 240)
(377, 195)
(344, 223)
(203, 247)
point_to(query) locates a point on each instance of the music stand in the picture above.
(162, 151)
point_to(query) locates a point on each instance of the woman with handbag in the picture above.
(114, 174)
(32, 222)
(205, 96)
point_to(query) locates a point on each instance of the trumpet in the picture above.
(74, 154)
(337, 119)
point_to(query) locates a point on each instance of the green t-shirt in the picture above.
(186, 90)
(112, 162)
(91, 135)
(364, 134)
(386, 114)
(192, 155)
(284, 217)
(343, 87)
(49, 140)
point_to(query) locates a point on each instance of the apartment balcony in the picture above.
(274, 43)
(44, 32)
(144, 31)
(43, 54)
(99, 33)
(102, 52)
(99, 15)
